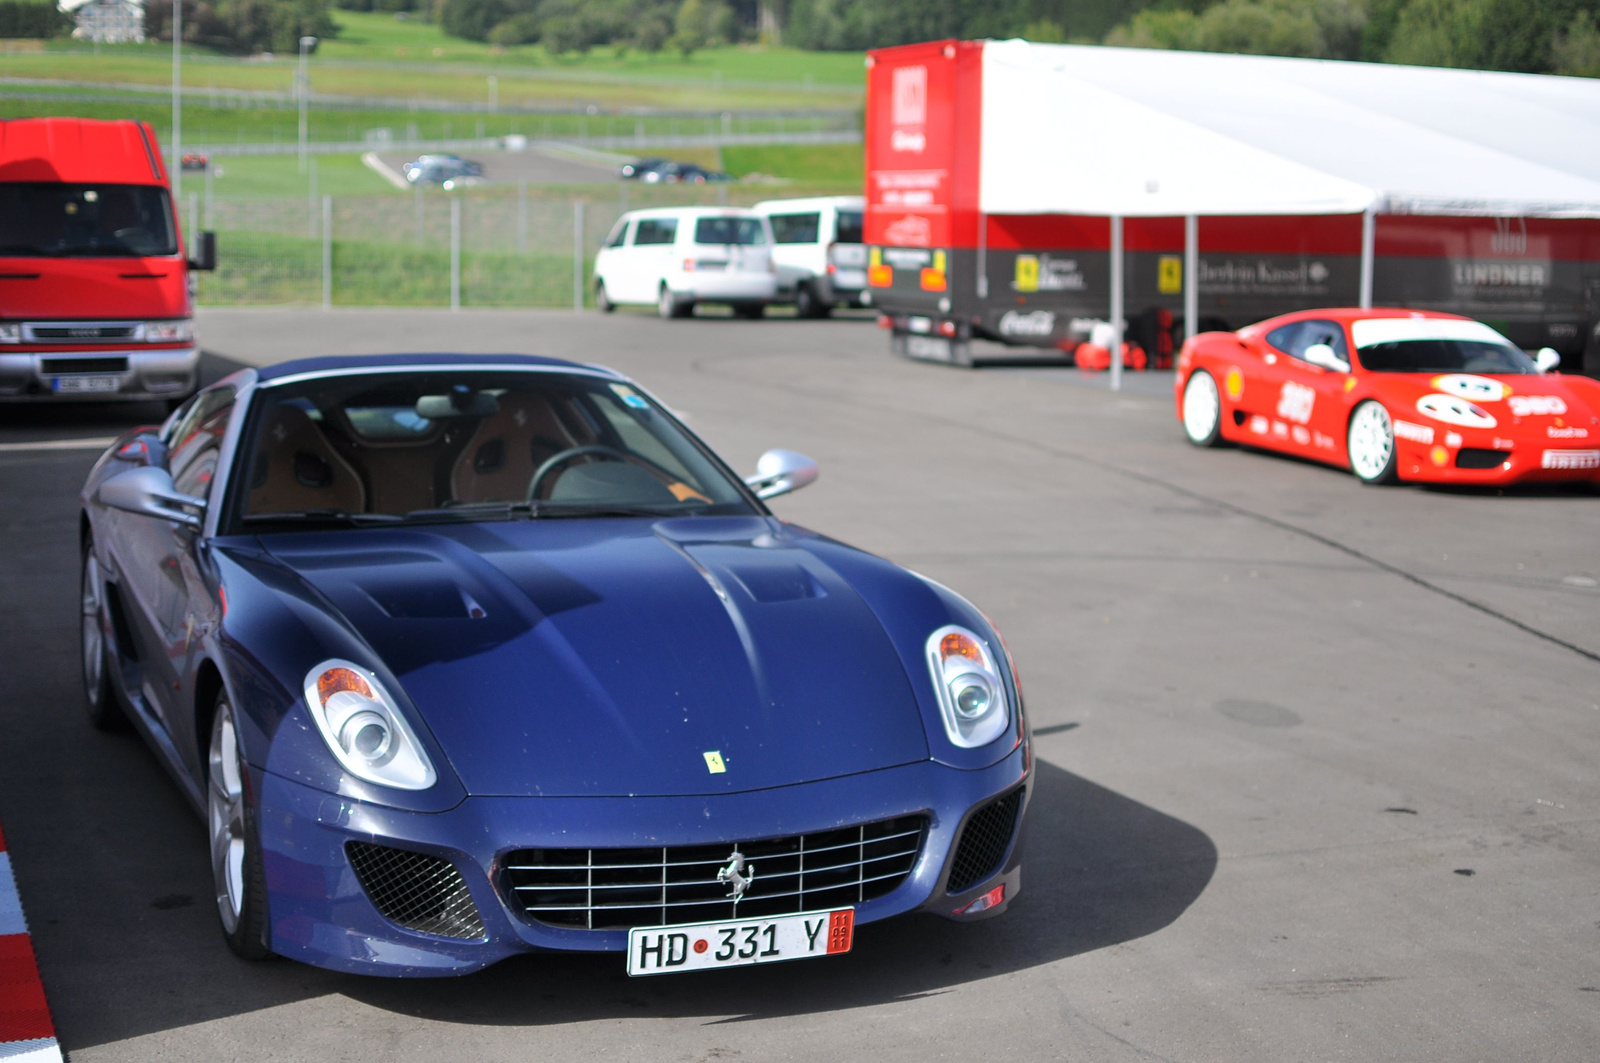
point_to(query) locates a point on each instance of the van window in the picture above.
(849, 227)
(50, 219)
(655, 231)
(619, 232)
(730, 231)
(795, 228)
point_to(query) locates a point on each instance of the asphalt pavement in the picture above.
(1317, 760)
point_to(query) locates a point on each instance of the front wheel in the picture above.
(1370, 443)
(670, 306)
(235, 846)
(104, 712)
(1202, 409)
(601, 299)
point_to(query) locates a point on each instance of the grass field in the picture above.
(376, 55)
(820, 164)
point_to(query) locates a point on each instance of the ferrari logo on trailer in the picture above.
(1027, 279)
(1169, 274)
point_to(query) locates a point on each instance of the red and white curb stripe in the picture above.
(26, 1033)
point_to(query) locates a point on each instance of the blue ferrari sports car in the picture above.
(466, 656)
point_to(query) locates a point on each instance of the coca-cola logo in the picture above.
(1034, 323)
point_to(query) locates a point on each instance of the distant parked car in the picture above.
(817, 247)
(683, 173)
(195, 160)
(635, 170)
(677, 257)
(438, 169)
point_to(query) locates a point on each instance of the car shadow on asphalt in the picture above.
(1100, 869)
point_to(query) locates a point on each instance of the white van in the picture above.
(817, 244)
(676, 257)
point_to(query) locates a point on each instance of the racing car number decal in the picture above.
(1536, 405)
(1295, 402)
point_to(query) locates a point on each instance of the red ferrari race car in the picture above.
(1392, 395)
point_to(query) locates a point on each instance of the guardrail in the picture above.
(636, 142)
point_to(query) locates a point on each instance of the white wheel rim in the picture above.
(226, 807)
(1201, 406)
(93, 635)
(1371, 441)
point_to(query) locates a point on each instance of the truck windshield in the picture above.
(55, 219)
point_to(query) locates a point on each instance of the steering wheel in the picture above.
(560, 458)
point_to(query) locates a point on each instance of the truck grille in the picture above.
(82, 332)
(418, 891)
(616, 889)
(984, 842)
(60, 366)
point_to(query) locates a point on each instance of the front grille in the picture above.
(418, 891)
(616, 889)
(83, 332)
(984, 842)
(1479, 458)
(59, 366)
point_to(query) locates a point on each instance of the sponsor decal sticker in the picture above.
(1439, 455)
(1169, 275)
(1302, 434)
(1452, 439)
(1036, 323)
(1571, 459)
(913, 230)
(1041, 273)
(1280, 430)
(1234, 382)
(714, 762)
(1570, 432)
(1468, 386)
(1295, 402)
(1259, 425)
(1323, 442)
(1417, 433)
(1536, 405)
(1453, 410)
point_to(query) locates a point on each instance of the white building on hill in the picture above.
(107, 21)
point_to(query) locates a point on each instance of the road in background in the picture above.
(1317, 760)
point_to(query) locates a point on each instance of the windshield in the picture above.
(729, 231)
(1436, 345)
(55, 219)
(426, 447)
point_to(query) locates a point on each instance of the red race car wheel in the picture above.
(1370, 443)
(1202, 409)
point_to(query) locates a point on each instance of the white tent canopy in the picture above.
(1140, 133)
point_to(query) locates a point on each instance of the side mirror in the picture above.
(1323, 355)
(148, 490)
(780, 471)
(1547, 359)
(205, 252)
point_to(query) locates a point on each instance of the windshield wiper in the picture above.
(601, 509)
(474, 511)
(114, 251)
(326, 516)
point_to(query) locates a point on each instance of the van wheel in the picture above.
(805, 302)
(601, 299)
(669, 305)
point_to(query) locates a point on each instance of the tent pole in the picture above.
(1369, 231)
(1191, 276)
(1116, 302)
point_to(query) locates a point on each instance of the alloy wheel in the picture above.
(1202, 408)
(226, 816)
(1371, 443)
(93, 633)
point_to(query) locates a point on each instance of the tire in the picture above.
(805, 301)
(95, 648)
(601, 299)
(750, 311)
(236, 872)
(1202, 409)
(670, 306)
(1369, 442)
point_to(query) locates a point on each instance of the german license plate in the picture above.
(62, 384)
(739, 943)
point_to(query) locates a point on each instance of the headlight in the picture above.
(169, 331)
(11, 333)
(972, 699)
(364, 728)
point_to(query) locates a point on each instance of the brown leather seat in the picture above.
(497, 465)
(294, 468)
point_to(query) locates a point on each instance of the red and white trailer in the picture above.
(1026, 193)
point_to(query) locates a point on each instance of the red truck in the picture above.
(96, 299)
(998, 171)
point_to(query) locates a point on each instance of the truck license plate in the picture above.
(739, 942)
(65, 384)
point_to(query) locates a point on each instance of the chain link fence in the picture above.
(507, 246)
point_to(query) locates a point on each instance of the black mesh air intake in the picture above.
(418, 891)
(1480, 458)
(984, 842)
